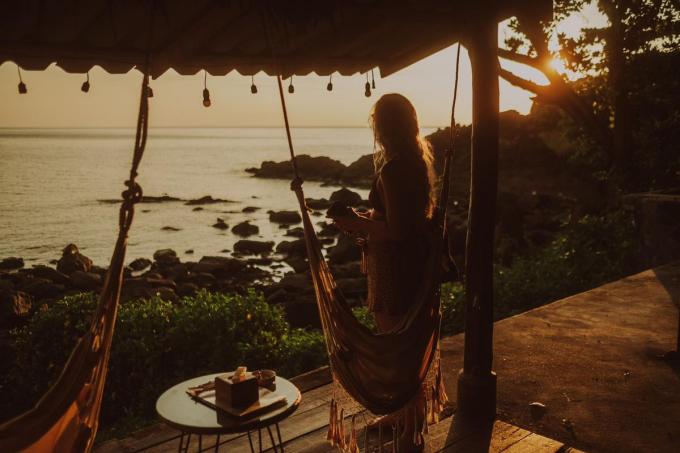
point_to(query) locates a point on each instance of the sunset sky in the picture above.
(54, 98)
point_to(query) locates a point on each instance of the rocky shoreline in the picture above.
(253, 264)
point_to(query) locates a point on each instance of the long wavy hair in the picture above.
(395, 131)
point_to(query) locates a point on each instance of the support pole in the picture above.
(477, 381)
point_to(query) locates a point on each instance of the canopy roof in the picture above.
(284, 37)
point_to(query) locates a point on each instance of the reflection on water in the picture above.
(51, 179)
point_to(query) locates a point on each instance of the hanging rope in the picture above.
(206, 93)
(297, 181)
(22, 86)
(372, 79)
(85, 87)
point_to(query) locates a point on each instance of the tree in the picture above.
(600, 103)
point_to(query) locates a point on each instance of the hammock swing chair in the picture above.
(381, 372)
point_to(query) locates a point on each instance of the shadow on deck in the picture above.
(593, 359)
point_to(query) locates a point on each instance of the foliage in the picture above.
(158, 344)
(590, 252)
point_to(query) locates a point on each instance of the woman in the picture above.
(395, 228)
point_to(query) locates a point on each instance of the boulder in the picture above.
(72, 260)
(41, 288)
(140, 264)
(203, 279)
(51, 274)
(245, 229)
(298, 263)
(220, 224)
(165, 293)
(14, 306)
(359, 172)
(170, 228)
(187, 289)
(6, 286)
(250, 247)
(177, 272)
(353, 286)
(296, 247)
(346, 197)
(249, 209)
(219, 266)
(165, 257)
(345, 250)
(11, 263)
(287, 217)
(317, 203)
(318, 168)
(87, 281)
(328, 229)
(277, 297)
(300, 282)
(207, 199)
(296, 232)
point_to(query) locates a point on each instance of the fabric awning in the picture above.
(220, 36)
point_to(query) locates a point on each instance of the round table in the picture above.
(180, 411)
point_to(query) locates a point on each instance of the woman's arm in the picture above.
(399, 220)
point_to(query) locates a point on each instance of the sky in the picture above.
(54, 98)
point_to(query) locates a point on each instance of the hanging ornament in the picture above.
(253, 87)
(367, 87)
(291, 88)
(329, 87)
(22, 85)
(206, 93)
(86, 84)
(372, 80)
(149, 92)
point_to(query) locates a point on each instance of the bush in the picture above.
(158, 344)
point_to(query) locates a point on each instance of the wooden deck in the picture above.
(305, 432)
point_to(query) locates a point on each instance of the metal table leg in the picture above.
(217, 443)
(250, 441)
(271, 438)
(182, 447)
(278, 434)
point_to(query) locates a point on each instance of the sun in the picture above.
(558, 65)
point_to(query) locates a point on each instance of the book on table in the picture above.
(268, 400)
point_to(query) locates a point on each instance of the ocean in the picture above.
(53, 181)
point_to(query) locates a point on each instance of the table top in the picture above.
(176, 408)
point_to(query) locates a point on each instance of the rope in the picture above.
(297, 181)
(446, 183)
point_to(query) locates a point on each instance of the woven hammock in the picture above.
(66, 418)
(382, 372)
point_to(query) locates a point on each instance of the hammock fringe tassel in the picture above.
(343, 407)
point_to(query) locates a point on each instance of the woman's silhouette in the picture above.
(395, 229)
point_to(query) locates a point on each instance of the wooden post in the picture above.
(477, 381)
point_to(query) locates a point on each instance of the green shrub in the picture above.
(158, 344)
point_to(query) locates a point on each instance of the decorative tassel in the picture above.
(380, 438)
(330, 436)
(341, 428)
(329, 87)
(253, 87)
(353, 447)
(86, 84)
(206, 93)
(291, 88)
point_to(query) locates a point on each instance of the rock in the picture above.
(317, 203)
(220, 224)
(165, 257)
(140, 264)
(328, 229)
(359, 172)
(161, 282)
(296, 232)
(262, 261)
(72, 260)
(14, 306)
(286, 217)
(300, 282)
(250, 247)
(245, 229)
(86, 281)
(319, 168)
(206, 200)
(177, 272)
(345, 250)
(50, 274)
(187, 289)
(298, 263)
(219, 266)
(41, 288)
(249, 209)
(6, 286)
(203, 279)
(346, 197)
(197, 208)
(347, 270)
(537, 410)
(11, 263)
(296, 247)
(170, 228)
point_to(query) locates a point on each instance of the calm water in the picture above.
(51, 181)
